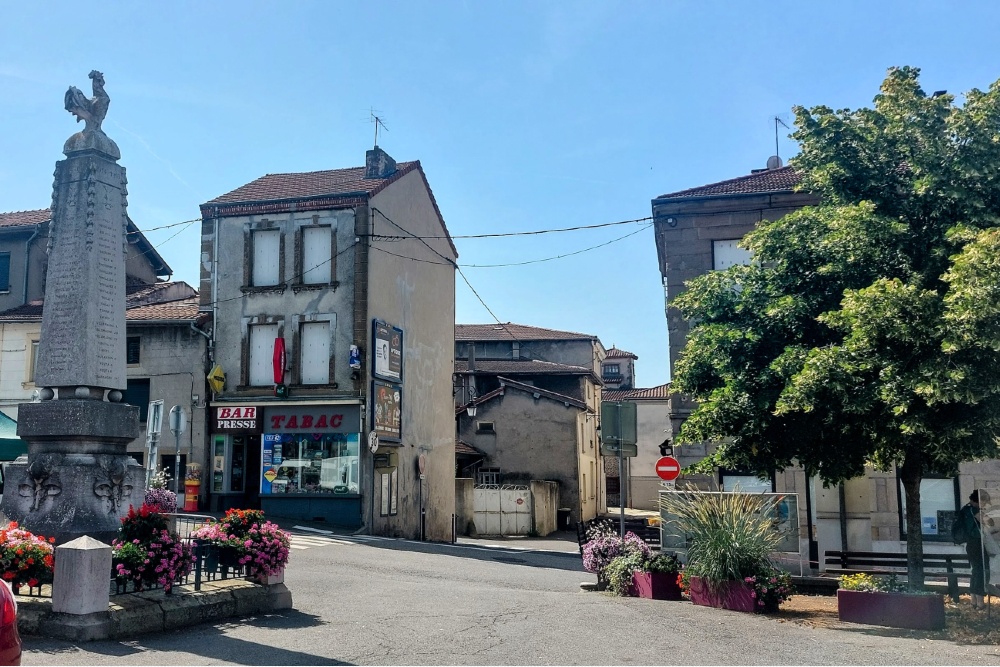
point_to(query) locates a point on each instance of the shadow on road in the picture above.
(206, 641)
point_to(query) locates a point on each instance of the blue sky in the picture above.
(524, 115)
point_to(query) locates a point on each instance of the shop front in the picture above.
(309, 465)
(236, 440)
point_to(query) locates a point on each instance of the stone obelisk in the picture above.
(77, 478)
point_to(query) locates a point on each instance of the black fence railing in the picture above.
(211, 562)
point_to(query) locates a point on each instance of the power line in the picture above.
(549, 259)
(380, 237)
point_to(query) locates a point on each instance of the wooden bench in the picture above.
(647, 533)
(951, 566)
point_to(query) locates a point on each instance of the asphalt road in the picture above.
(381, 601)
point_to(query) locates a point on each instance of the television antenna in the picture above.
(377, 121)
(778, 121)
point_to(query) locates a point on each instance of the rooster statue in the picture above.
(91, 111)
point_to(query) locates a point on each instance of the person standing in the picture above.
(978, 558)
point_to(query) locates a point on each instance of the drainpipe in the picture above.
(27, 256)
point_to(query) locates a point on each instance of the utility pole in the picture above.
(178, 423)
(621, 472)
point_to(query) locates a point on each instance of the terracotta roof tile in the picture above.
(661, 392)
(520, 367)
(182, 310)
(615, 353)
(140, 304)
(332, 182)
(465, 448)
(510, 331)
(783, 179)
(24, 218)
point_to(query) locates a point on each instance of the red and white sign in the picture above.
(236, 419)
(668, 468)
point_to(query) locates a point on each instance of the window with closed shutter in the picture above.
(266, 256)
(315, 356)
(316, 261)
(262, 354)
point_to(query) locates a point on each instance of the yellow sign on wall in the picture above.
(216, 379)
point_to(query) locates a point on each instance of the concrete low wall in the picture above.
(545, 502)
(153, 611)
(465, 506)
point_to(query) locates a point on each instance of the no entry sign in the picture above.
(668, 468)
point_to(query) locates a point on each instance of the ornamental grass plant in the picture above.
(730, 535)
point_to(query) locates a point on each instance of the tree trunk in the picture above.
(910, 474)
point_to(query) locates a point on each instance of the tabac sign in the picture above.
(313, 419)
(237, 419)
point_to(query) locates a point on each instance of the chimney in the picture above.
(471, 347)
(378, 164)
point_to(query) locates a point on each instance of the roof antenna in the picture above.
(377, 120)
(775, 162)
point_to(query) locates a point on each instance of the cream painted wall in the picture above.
(418, 295)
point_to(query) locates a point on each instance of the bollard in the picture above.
(81, 584)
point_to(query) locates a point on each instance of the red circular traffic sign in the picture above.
(668, 468)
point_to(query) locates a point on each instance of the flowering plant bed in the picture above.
(145, 553)
(257, 545)
(26, 559)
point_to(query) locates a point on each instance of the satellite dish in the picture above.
(774, 162)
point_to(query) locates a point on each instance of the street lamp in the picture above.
(470, 407)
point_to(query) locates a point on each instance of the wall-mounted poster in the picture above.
(387, 351)
(387, 410)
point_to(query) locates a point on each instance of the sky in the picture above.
(525, 116)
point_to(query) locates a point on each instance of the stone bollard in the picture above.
(82, 578)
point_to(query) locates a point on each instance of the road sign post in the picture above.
(178, 424)
(154, 424)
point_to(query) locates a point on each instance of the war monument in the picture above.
(77, 478)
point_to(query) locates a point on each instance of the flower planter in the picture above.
(895, 610)
(655, 585)
(271, 579)
(733, 595)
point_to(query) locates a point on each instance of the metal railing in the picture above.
(211, 563)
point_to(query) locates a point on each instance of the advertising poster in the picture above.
(268, 463)
(387, 410)
(387, 350)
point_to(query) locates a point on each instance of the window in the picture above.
(4, 271)
(317, 255)
(612, 369)
(485, 427)
(266, 257)
(485, 476)
(32, 360)
(262, 338)
(137, 394)
(132, 350)
(314, 353)
(313, 463)
(938, 504)
(728, 253)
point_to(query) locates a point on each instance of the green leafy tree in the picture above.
(867, 330)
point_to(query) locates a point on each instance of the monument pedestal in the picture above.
(77, 478)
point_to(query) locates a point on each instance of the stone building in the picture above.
(618, 369)
(537, 394)
(696, 231)
(332, 294)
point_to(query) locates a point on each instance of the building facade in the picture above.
(537, 398)
(332, 294)
(697, 230)
(618, 369)
(652, 411)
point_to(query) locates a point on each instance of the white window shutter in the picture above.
(316, 264)
(315, 356)
(266, 256)
(262, 354)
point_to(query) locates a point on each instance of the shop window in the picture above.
(265, 261)
(728, 253)
(261, 369)
(132, 348)
(939, 502)
(314, 353)
(311, 463)
(137, 394)
(317, 255)
(219, 464)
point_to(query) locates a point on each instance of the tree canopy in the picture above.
(865, 332)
